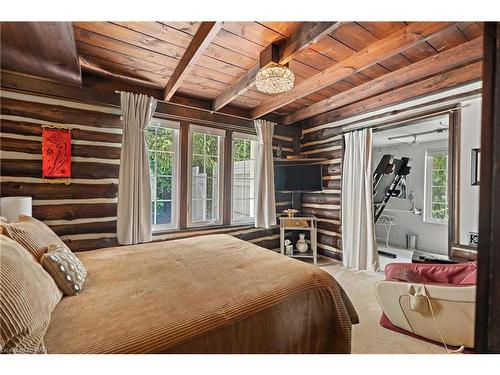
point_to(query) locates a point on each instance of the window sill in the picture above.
(202, 228)
(245, 223)
(164, 229)
(427, 221)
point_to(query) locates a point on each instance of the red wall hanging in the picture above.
(56, 153)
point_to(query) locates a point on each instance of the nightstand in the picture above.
(302, 224)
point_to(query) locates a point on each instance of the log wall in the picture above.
(326, 143)
(83, 213)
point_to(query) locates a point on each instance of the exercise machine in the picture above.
(387, 180)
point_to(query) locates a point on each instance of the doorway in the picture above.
(413, 221)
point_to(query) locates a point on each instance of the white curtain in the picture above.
(359, 244)
(265, 207)
(134, 188)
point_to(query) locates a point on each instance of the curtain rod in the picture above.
(199, 109)
(438, 130)
(405, 122)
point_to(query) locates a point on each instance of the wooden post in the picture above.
(184, 170)
(228, 178)
(487, 337)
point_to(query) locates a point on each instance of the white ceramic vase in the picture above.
(302, 244)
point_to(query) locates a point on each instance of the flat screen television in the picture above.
(297, 177)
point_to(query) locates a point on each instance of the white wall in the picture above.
(469, 194)
(431, 237)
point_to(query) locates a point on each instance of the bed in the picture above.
(208, 294)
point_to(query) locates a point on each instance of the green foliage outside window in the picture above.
(205, 156)
(242, 149)
(160, 142)
(439, 204)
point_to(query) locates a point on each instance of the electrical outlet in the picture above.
(473, 239)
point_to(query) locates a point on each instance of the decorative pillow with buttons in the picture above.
(66, 269)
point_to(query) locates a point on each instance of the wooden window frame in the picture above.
(427, 214)
(176, 197)
(251, 138)
(193, 128)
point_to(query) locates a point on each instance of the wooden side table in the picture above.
(303, 224)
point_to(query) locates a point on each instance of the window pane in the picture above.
(198, 165)
(239, 169)
(161, 142)
(205, 173)
(153, 213)
(242, 188)
(163, 188)
(439, 211)
(243, 179)
(247, 150)
(239, 214)
(439, 161)
(239, 150)
(152, 166)
(164, 139)
(212, 166)
(439, 194)
(209, 210)
(439, 178)
(150, 137)
(210, 188)
(212, 145)
(198, 141)
(197, 210)
(215, 193)
(243, 209)
(163, 212)
(199, 188)
(249, 168)
(164, 163)
(153, 187)
(238, 189)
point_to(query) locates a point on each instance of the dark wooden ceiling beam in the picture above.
(43, 49)
(306, 35)
(201, 40)
(397, 42)
(243, 84)
(453, 78)
(462, 54)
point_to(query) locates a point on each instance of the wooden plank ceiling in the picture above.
(213, 61)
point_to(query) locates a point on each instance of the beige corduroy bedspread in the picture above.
(209, 294)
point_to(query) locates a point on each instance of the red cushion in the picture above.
(454, 274)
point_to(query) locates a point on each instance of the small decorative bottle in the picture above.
(302, 244)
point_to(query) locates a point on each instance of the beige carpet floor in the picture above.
(369, 336)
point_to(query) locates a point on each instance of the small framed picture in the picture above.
(475, 166)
